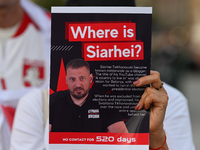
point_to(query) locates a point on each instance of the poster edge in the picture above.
(107, 10)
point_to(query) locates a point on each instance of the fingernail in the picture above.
(136, 82)
(137, 106)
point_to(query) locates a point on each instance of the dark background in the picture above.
(143, 33)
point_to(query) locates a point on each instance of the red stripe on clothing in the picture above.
(9, 113)
(3, 83)
(24, 23)
(48, 14)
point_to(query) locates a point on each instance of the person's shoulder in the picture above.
(177, 101)
(28, 121)
(59, 95)
(38, 15)
(173, 93)
(32, 97)
(30, 102)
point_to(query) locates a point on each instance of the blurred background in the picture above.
(175, 48)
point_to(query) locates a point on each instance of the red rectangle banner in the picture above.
(101, 32)
(113, 51)
(99, 138)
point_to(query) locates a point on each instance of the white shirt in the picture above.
(177, 122)
(28, 130)
(24, 62)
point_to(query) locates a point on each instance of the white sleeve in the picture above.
(28, 130)
(177, 123)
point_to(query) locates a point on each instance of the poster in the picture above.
(93, 108)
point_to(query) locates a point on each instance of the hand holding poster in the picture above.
(96, 55)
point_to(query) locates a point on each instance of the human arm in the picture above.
(177, 122)
(118, 127)
(28, 129)
(157, 100)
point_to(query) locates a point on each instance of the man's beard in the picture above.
(79, 95)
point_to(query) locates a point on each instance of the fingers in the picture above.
(145, 100)
(153, 79)
(152, 96)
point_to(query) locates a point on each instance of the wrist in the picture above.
(157, 139)
(164, 146)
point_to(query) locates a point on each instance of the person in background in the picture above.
(24, 57)
(30, 129)
(173, 119)
(176, 123)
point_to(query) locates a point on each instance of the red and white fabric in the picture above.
(24, 64)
